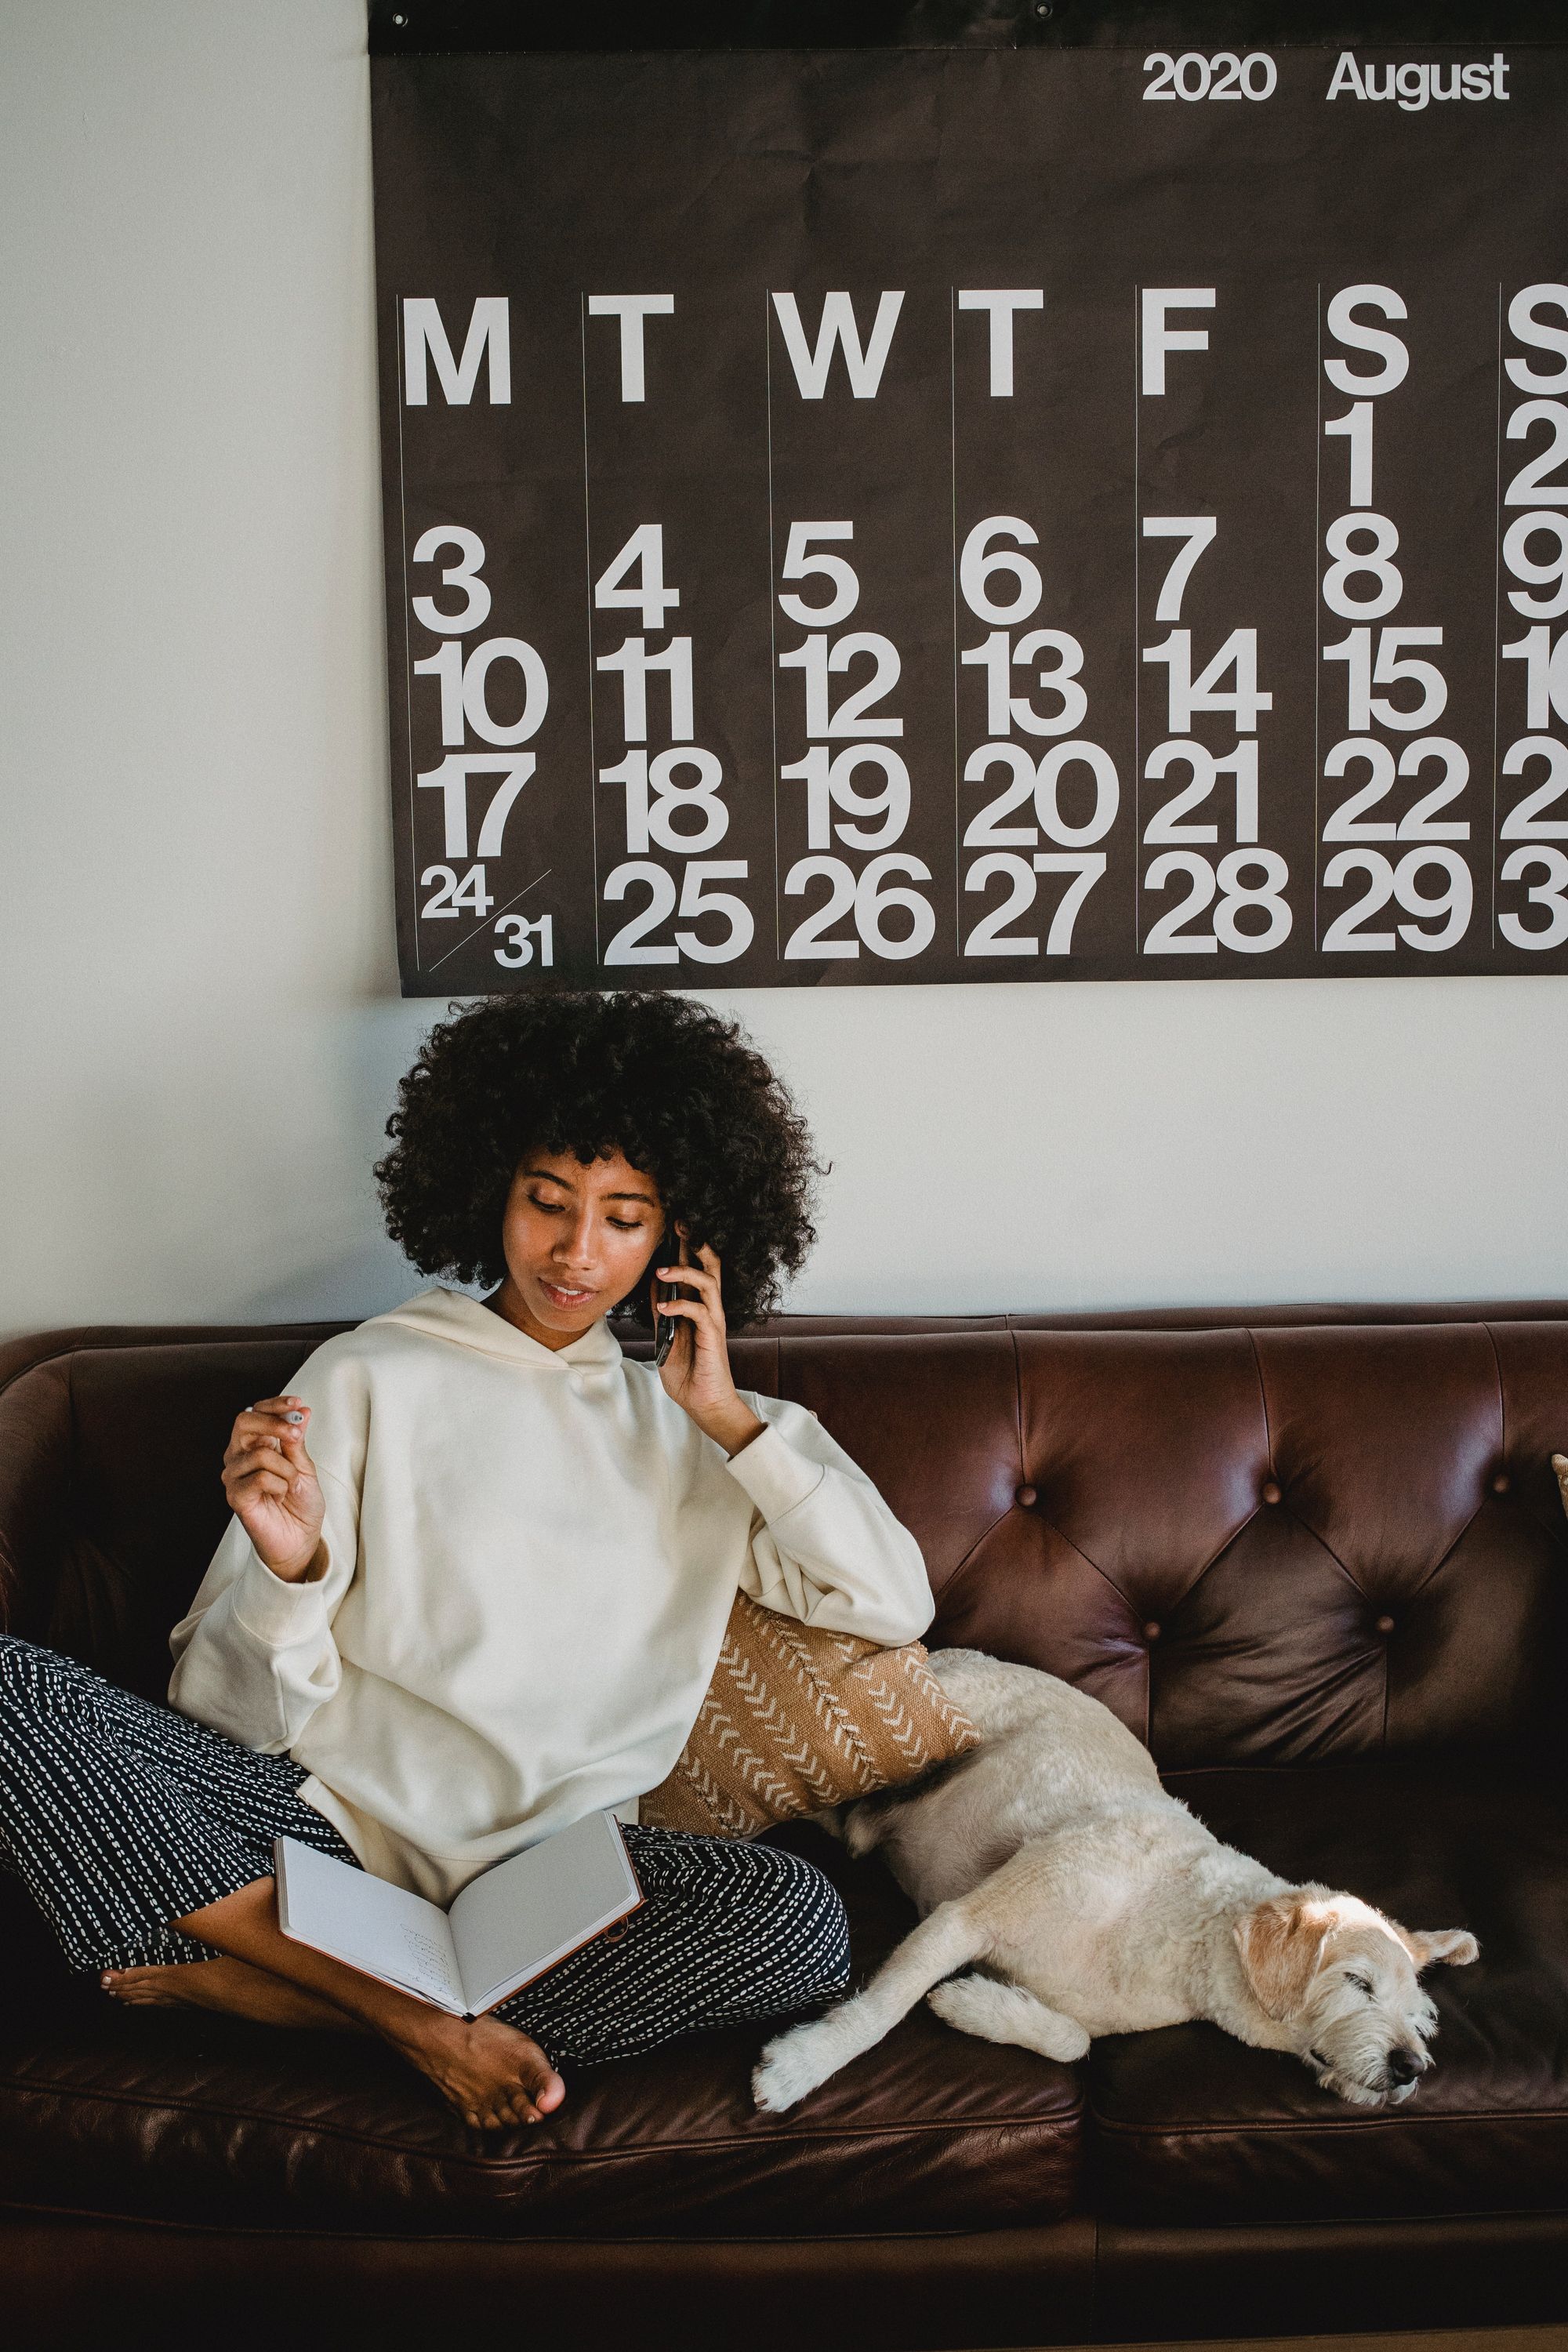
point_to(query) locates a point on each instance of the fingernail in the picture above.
(293, 1416)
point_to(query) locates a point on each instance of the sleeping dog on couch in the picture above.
(1064, 1895)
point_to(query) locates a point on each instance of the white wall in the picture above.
(201, 1032)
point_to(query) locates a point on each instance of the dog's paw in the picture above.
(789, 2068)
(1006, 2013)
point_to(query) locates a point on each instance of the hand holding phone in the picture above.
(700, 1381)
(666, 1327)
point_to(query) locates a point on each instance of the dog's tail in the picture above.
(866, 1823)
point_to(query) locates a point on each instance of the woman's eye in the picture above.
(550, 1208)
(626, 1224)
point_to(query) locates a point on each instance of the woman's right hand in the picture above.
(272, 1488)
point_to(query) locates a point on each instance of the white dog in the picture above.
(1096, 1904)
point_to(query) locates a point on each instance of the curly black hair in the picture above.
(664, 1081)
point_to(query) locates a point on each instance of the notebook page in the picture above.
(520, 1919)
(367, 1923)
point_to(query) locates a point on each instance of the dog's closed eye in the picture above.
(1358, 1983)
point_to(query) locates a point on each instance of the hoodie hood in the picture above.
(449, 1315)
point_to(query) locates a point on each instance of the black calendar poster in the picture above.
(923, 515)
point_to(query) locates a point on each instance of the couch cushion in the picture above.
(1188, 2125)
(176, 2116)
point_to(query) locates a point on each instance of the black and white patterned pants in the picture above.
(121, 1817)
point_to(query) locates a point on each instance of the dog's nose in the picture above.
(1402, 2068)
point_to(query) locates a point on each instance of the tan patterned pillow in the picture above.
(798, 1719)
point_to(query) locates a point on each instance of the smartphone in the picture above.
(665, 1326)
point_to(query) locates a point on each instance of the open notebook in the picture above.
(504, 1929)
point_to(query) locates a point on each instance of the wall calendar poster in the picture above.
(878, 515)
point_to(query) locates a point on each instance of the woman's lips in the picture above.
(560, 1297)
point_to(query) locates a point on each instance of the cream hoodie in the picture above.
(532, 1556)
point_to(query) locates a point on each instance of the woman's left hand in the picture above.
(696, 1372)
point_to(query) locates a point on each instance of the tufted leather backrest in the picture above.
(1257, 1545)
(1270, 1546)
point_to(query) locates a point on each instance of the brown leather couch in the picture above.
(1314, 1556)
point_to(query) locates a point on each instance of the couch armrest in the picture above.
(35, 1470)
(40, 1469)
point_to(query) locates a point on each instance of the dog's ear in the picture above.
(1426, 1946)
(1281, 1946)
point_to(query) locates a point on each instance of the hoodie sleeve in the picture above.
(825, 1547)
(255, 1657)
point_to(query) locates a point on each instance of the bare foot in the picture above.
(233, 1989)
(491, 2072)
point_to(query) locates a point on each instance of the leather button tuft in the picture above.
(1499, 1484)
(1271, 1493)
(1026, 1498)
(1385, 1624)
(1151, 1630)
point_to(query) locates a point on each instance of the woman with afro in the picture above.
(479, 1569)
